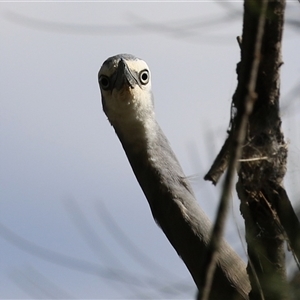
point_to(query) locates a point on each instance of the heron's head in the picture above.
(125, 85)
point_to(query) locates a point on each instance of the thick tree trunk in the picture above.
(269, 216)
(259, 180)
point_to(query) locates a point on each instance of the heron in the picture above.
(127, 100)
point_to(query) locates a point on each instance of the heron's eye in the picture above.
(104, 82)
(144, 76)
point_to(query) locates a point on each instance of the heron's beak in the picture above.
(124, 76)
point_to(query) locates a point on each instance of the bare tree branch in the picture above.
(237, 141)
(269, 216)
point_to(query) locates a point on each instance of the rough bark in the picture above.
(260, 179)
(269, 216)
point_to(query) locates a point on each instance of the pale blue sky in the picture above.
(57, 148)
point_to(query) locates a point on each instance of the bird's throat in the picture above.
(138, 135)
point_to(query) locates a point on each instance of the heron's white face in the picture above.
(125, 84)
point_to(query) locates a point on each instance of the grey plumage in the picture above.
(128, 103)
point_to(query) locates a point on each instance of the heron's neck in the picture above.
(137, 133)
(148, 150)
